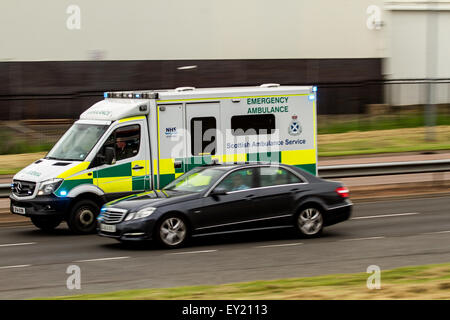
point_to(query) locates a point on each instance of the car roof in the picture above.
(233, 165)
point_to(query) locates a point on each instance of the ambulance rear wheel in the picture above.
(46, 223)
(83, 217)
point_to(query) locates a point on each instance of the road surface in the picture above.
(385, 233)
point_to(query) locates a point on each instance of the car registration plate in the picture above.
(107, 227)
(18, 210)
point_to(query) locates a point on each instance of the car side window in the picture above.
(239, 180)
(272, 176)
(125, 141)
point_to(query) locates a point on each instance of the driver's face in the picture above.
(120, 144)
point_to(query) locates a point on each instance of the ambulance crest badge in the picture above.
(294, 127)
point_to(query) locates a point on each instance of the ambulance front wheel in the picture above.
(83, 217)
(46, 223)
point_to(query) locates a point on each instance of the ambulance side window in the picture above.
(247, 125)
(125, 141)
(203, 136)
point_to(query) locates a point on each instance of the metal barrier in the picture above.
(355, 170)
(5, 189)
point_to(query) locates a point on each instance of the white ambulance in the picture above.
(136, 141)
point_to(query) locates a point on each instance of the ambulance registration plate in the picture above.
(107, 227)
(18, 210)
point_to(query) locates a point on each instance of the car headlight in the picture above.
(143, 213)
(49, 186)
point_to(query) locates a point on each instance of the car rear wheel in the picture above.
(82, 218)
(46, 223)
(309, 221)
(172, 231)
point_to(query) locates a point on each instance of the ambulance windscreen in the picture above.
(77, 142)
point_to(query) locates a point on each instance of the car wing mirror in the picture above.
(110, 155)
(219, 191)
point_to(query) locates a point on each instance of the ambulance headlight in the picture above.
(143, 213)
(49, 186)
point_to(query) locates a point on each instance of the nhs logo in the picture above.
(171, 132)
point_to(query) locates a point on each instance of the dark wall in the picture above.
(32, 90)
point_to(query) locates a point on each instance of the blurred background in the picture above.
(382, 67)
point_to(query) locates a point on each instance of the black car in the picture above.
(224, 198)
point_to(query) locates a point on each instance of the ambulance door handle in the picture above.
(177, 164)
(137, 167)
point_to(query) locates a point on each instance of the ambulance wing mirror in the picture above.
(110, 155)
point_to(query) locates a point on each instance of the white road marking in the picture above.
(17, 244)
(102, 259)
(191, 252)
(386, 215)
(437, 232)
(357, 239)
(18, 266)
(280, 245)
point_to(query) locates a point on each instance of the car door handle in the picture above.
(137, 167)
(250, 197)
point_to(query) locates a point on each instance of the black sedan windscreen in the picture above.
(196, 180)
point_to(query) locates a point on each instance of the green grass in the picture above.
(341, 124)
(14, 145)
(382, 141)
(414, 282)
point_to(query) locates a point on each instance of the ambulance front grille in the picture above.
(23, 188)
(113, 215)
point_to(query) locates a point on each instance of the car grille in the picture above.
(23, 188)
(113, 215)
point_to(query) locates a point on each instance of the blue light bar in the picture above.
(314, 89)
(63, 193)
(311, 97)
(105, 95)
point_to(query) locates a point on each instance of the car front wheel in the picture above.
(309, 221)
(172, 231)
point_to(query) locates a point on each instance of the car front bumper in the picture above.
(137, 230)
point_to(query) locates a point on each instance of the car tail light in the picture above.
(343, 192)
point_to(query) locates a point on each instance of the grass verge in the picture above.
(386, 121)
(12, 163)
(415, 282)
(382, 141)
(337, 144)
